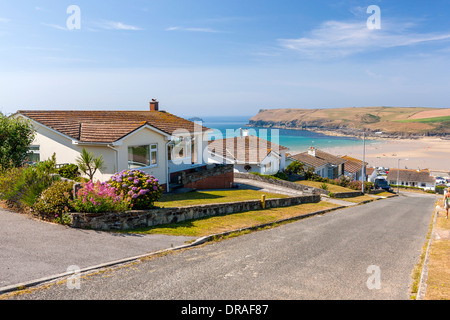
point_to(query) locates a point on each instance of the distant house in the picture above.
(154, 141)
(412, 178)
(248, 153)
(354, 168)
(325, 164)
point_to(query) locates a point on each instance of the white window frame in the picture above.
(152, 147)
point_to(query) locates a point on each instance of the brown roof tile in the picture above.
(410, 175)
(353, 165)
(320, 159)
(248, 149)
(107, 126)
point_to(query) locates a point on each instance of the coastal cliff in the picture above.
(380, 122)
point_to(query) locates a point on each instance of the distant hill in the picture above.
(391, 121)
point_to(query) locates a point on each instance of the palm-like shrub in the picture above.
(89, 164)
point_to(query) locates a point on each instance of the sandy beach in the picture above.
(424, 153)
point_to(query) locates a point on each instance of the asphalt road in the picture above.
(361, 252)
(32, 249)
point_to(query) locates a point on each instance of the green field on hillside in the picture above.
(427, 120)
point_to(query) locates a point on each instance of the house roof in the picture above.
(321, 158)
(410, 175)
(107, 126)
(247, 149)
(353, 165)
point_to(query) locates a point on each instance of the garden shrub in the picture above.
(55, 201)
(281, 175)
(355, 185)
(141, 188)
(69, 171)
(100, 197)
(20, 187)
(8, 178)
(274, 177)
(16, 135)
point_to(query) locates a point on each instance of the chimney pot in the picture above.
(312, 151)
(154, 105)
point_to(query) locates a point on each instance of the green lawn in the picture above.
(330, 187)
(230, 222)
(214, 196)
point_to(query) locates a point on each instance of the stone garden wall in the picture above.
(282, 183)
(159, 216)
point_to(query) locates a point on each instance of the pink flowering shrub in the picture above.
(355, 185)
(141, 188)
(100, 197)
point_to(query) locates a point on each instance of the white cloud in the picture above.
(54, 26)
(112, 25)
(4, 20)
(338, 39)
(192, 29)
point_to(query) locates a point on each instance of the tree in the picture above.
(16, 135)
(296, 167)
(89, 164)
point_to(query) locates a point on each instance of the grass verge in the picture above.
(438, 280)
(224, 223)
(358, 199)
(417, 271)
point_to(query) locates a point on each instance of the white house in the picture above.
(413, 178)
(325, 164)
(248, 153)
(154, 141)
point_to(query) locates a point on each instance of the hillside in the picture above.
(391, 121)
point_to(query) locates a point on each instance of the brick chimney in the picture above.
(312, 151)
(154, 105)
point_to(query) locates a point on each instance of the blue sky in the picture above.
(211, 57)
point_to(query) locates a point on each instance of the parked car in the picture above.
(382, 183)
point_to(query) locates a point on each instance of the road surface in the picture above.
(360, 252)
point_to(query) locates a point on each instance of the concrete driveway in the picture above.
(32, 249)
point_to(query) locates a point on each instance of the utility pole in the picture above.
(364, 163)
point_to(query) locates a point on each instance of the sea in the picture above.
(296, 140)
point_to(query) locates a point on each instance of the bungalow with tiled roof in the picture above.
(325, 164)
(154, 141)
(413, 178)
(354, 168)
(248, 153)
